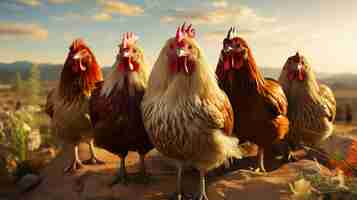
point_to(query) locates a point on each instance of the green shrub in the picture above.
(19, 141)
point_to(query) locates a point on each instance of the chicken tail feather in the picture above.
(229, 146)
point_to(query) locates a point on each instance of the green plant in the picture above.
(18, 83)
(34, 85)
(19, 141)
(326, 185)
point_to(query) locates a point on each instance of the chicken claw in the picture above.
(76, 163)
(122, 175)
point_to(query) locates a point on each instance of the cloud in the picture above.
(219, 4)
(102, 17)
(19, 30)
(121, 8)
(220, 14)
(220, 34)
(154, 4)
(69, 16)
(196, 16)
(32, 3)
(60, 1)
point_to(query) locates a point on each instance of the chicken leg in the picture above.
(76, 163)
(121, 176)
(260, 157)
(178, 194)
(201, 195)
(94, 159)
(143, 176)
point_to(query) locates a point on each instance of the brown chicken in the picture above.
(259, 104)
(312, 106)
(115, 106)
(188, 117)
(68, 103)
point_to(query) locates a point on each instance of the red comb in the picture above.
(129, 38)
(183, 32)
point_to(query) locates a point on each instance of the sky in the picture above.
(324, 31)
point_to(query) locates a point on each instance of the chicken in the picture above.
(68, 103)
(188, 117)
(312, 106)
(259, 104)
(115, 106)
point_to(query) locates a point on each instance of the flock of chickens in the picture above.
(183, 108)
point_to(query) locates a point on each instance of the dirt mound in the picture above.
(92, 182)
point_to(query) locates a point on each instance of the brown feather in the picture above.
(312, 106)
(115, 110)
(188, 117)
(259, 104)
(67, 104)
(74, 84)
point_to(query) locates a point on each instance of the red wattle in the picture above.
(135, 66)
(75, 69)
(173, 67)
(291, 75)
(121, 67)
(232, 61)
(81, 66)
(301, 75)
(74, 66)
(238, 64)
(226, 64)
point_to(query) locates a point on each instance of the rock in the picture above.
(342, 153)
(92, 182)
(40, 159)
(28, 182)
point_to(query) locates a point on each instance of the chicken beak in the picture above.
(228, 49)
(81, 66)
(185, 66)
(126, 54)
(77, 56)
(181, 52)
(131, 66)
(301, 74)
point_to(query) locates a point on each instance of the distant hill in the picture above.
(8, 71)
(50, 72)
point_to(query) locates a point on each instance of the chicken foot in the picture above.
(121, 176)
(94, 159)
(260, 157)
(142, 177)
(201, 195)
(76, 163)
(178, 195)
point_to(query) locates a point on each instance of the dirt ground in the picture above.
(92, 183)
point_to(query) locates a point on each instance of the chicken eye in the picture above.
(134, 51)
(172, 46)
(189, 47)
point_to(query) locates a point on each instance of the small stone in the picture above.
(28, 182)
